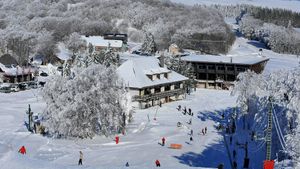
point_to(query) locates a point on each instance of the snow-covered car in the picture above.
(15, 88)
(32, 85)
(5, 89)
(23, 86)
(44, 74)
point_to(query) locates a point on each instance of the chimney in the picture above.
(162, 60)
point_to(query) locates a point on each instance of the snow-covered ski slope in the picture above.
(293, 5)
(139, 146)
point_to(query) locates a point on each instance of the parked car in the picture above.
(32, 85)
(15, 88)
(23, 86)
(5, 89)
(43, 74)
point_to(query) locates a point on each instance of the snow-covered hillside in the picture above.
(293, 5)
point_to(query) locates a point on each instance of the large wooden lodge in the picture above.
(219, 72)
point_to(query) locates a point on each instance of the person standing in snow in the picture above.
(191, 132)
(80, 158)
(190, 111)
(191, 138)
(203, 132)
(127, 164)
(157, 163)
(22, 150)
(205, 129)
(163, 141)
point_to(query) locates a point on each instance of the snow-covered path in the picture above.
(139, 146)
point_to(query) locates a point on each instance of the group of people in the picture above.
(185, 111)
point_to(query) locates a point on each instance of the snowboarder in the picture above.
(205, 129)
(191, 138)
(157, 163)
(230, 139)
(127, 164)
(22, 150)
(163, 141)
(234, 154)
(191, 132)
(80, 158)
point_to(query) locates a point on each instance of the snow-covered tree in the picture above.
(107, 57)
(149, 45)
(254, 93)
(93, 102)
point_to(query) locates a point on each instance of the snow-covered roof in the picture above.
(244, 59)
(11, 70)
(63, 52)
(134, 73)
(99, 41)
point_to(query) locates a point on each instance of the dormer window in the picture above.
(158, 76)
(150, 77)
(166, 75)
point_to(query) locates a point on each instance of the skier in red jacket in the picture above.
(157, 163)
(163, 141)
(22, 150)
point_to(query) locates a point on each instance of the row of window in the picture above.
(157, 89)
(210, 76)
(228, 68)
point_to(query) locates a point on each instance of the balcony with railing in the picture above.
(155, 96)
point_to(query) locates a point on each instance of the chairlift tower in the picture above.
(269, 132)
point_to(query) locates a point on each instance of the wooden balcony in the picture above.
(155, 96)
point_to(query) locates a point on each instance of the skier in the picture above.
(191, 138)
(22, 150)
(117, 139)
(184, 110)
(163, 141)
(80, 158)
(191, 132)
(205, 130)
(157, 163)
(190, 111)
(127, 164)
(179, 108)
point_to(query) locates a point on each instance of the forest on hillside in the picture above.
(34, 27)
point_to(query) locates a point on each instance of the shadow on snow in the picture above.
(214, 154)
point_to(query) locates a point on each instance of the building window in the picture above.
(230, 68)
(177, 86)
(201, 66)
(166, 75)
(221, 68)
(147, 91)
(157, 89)
(211, 76)
(150, 77)
(158, 76)
(168, 87)
(241, 69)
(211, 67)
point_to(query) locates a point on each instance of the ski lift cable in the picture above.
(279, 137)
(278, 126)
(258, 148)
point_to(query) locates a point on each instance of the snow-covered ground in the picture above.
(293, 5)
(139, 146)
